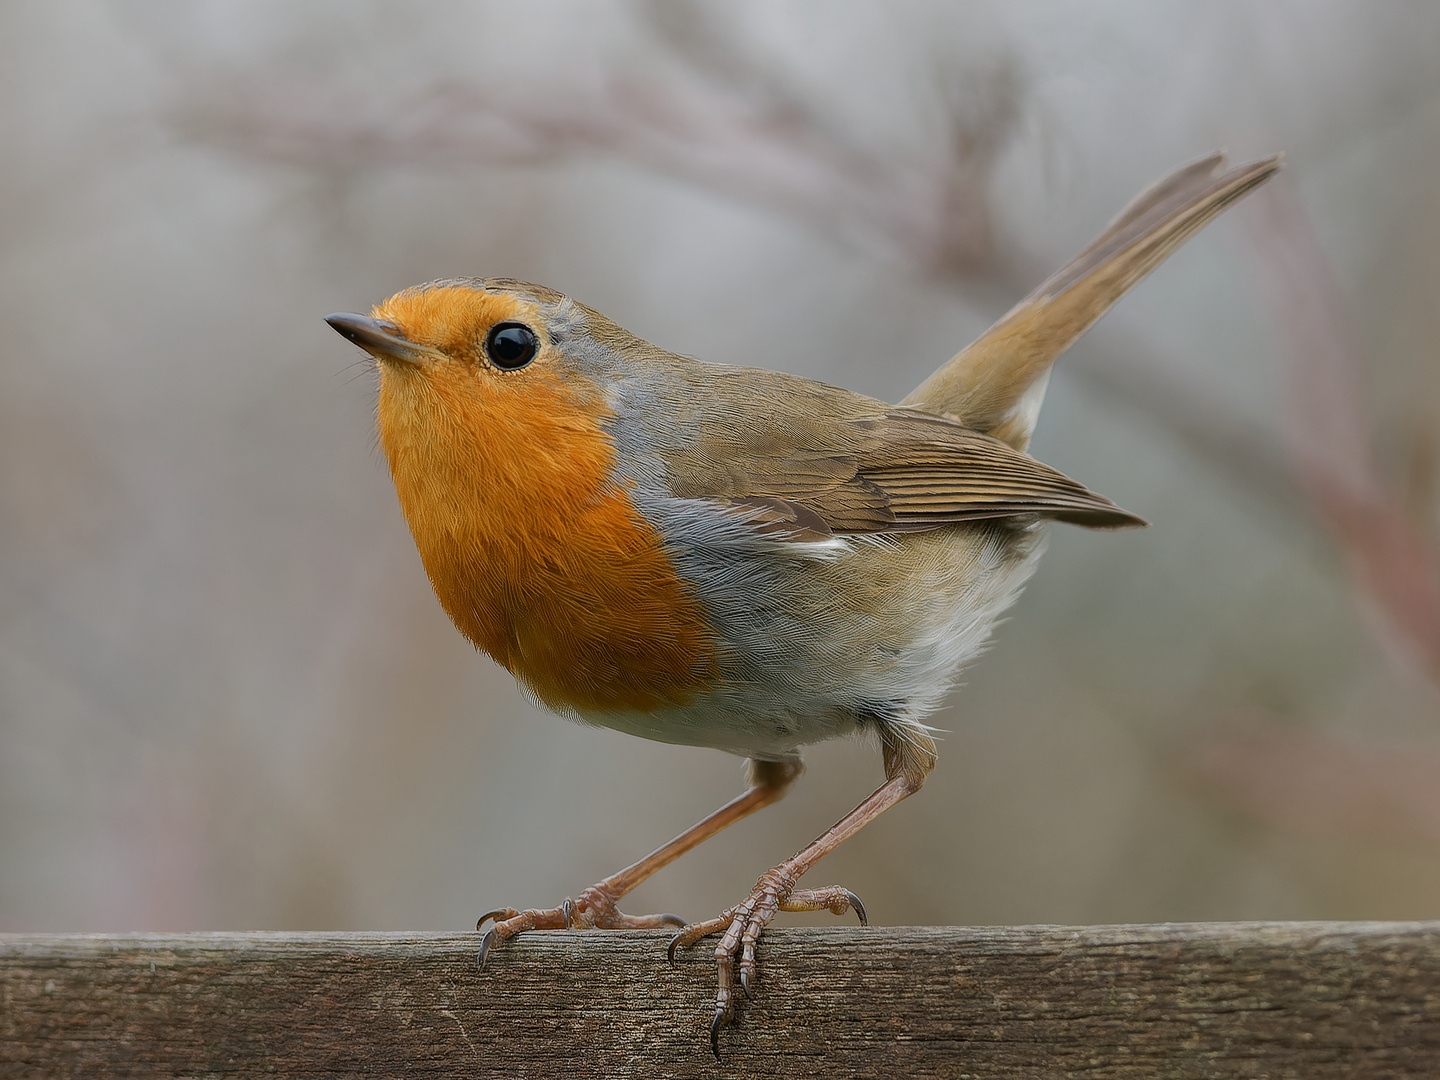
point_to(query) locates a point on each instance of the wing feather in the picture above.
(854, 471)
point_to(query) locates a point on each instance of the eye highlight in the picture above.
(511, 345)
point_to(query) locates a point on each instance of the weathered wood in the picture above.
(1311, 1000)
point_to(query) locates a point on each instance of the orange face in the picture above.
(503, 470)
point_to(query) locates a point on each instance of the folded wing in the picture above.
(849, 469)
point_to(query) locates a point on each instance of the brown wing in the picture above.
(821, 461)
(932, 471)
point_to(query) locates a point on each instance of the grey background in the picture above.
(227, 696)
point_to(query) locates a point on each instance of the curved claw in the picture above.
(486, 944)
(858, 906)
(669, 918)
(674, 943)
(715, 1026)
(498, 914)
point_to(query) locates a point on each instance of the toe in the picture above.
(832, 898)
(749, 969)
(618, 920)
(693, 932)
(499, 915)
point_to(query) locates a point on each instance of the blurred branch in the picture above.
(1391, 559)
(712, 116)
(1292, 777)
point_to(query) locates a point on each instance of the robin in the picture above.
(733, 557)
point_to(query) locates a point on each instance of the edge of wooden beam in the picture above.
(1312, 999)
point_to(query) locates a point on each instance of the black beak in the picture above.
(380, 339)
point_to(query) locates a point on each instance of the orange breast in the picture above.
(538, 557)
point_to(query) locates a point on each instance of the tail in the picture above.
(996, 384)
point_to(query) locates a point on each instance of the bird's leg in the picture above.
(909, 757)
(769, 781)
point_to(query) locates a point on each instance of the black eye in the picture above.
(511, 345)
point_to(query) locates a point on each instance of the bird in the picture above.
(734, 557)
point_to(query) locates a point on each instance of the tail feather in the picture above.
(995, 384)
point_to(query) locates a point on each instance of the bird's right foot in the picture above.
(742, 926)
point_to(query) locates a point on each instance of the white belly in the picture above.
(818, 639)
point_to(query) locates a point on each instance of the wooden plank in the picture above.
(1311, 1000)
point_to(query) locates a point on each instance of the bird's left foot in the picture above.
(742, 926)
(595, 910)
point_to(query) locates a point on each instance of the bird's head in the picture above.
(498, 379)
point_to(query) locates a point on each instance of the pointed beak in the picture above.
(381, 339)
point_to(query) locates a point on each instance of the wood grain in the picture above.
(1311, 1000)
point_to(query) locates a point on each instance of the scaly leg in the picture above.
(909, 757)
(769, 781)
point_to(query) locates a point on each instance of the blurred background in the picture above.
(228, 698)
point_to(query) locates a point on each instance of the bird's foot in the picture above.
(742, 926)
(595, 910)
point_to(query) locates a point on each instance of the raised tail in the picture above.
(996, 384)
